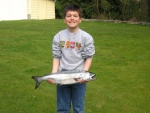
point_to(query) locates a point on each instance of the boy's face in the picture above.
(72, 20)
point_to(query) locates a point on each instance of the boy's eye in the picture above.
(72, 15)
(67, 15)
(75, 15)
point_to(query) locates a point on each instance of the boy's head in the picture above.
(73, 7)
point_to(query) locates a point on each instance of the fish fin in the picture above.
(36, 80)
(77, 79)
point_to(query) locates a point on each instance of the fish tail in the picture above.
(37, 81)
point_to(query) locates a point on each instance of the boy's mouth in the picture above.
(72, 22)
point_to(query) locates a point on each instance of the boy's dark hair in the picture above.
(73, 7)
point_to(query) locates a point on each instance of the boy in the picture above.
(72, 49)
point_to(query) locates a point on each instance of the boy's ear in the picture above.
(64, 20)
(80, 20)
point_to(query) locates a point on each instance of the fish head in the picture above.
(90, 76)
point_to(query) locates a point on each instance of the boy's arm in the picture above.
(54, 68)
(55, 65)
(87, 64)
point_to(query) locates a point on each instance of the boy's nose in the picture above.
(72, 17)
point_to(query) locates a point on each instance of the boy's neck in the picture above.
(73, 30)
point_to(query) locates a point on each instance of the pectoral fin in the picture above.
(77, 79)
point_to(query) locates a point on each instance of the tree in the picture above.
(149, 10)
(109, 9)
(144, 10)
(129, 9)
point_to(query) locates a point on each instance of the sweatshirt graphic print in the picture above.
(70, 44)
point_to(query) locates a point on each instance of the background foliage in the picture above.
(133, 10)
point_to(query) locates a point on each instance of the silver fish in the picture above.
(65, 77)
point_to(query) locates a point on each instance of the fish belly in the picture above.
(65, 81)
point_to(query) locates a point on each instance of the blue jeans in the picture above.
(67, 94)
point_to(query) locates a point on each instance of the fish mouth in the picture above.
(92, 75)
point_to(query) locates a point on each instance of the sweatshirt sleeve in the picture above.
(55, 46)
(89, 48)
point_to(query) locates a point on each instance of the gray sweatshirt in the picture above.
(72, 49)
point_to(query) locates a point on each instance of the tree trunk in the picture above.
(97, 7)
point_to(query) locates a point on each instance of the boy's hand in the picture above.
(83, 81)
(50, 81)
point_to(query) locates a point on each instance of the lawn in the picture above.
(121, 63)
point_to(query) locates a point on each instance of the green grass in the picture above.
(121, 62)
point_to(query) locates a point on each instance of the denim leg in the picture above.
(78, 96)
(63, 99)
